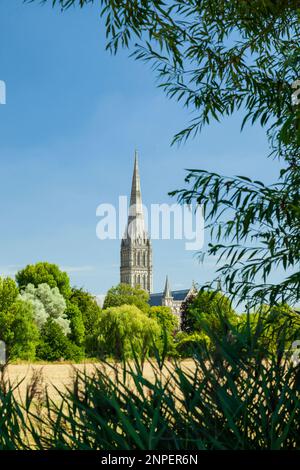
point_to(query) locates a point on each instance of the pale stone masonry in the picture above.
(136, 249)
(136, 254)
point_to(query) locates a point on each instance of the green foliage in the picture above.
(277, 327)
(44, 273)
(168, 323)
(47, 303)
(216, 57)
(88, 306)
(254, 229)
(8, 293)
(74, 315)
(90, 312)
(186, 321)
(124, 331)
(188, 345)
(207, 310)
(17, 326)
(124, 294)
(19, 331)
(165, 318)
(54, 345)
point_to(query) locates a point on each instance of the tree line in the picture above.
(42, 317)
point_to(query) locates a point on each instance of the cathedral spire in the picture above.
(136, 195)
(136, 226)
(136, 250)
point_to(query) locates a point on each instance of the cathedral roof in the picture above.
(178, 295)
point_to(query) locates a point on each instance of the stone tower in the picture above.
(136, 250)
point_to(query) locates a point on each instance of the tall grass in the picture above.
(235, 397)
(12, 415)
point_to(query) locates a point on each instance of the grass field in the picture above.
(54, 378)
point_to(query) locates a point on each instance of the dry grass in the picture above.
(37, 379)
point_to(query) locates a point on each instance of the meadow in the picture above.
(54, 378)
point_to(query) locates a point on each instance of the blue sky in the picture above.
(73, 118)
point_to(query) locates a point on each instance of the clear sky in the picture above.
(73, 118)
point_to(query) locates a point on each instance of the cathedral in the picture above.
(136, 248)
(136, 254)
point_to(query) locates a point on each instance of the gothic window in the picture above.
(144, 258)
(138, 259)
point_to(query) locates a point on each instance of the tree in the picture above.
(90, 315)
(19, 331)
(168, 323)
(47, 302)
(210, 310)
(8, 293)
(165, 318)
(187, 323)
(219, 57)
(124, 294)
(54, 345)
(17, 325)
(124, 329)
(74, 314)
(88, 306)
(189, 345)
(277, 327)
(44, 273)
